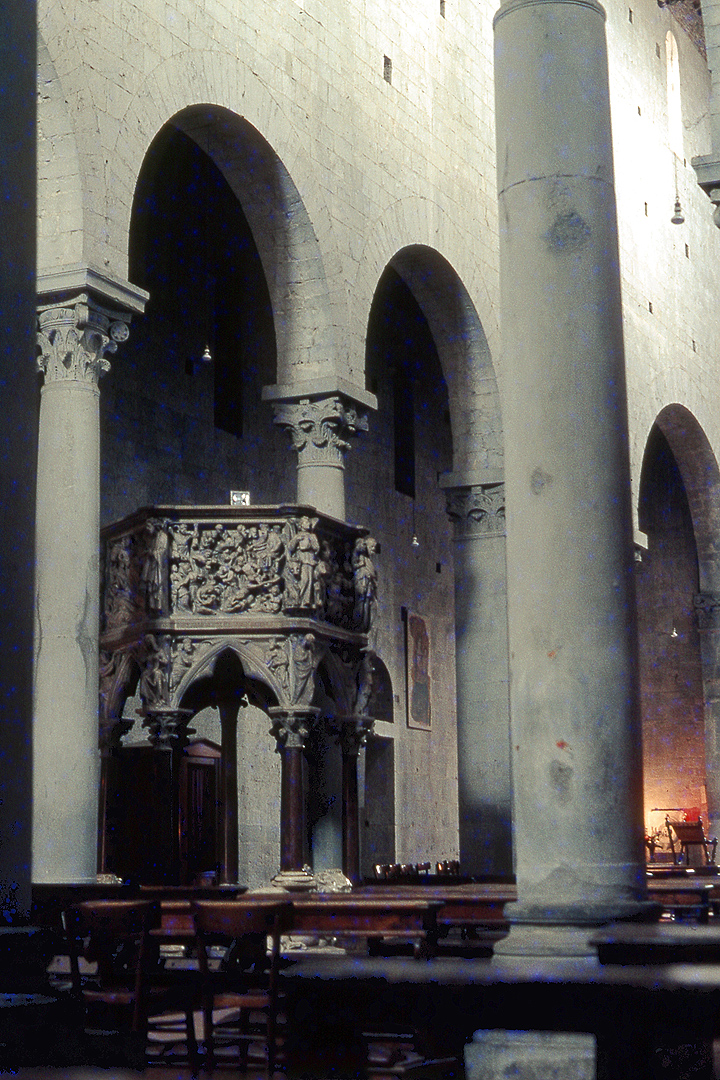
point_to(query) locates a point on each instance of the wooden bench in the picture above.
(683, 897)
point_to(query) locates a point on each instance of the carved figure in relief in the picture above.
(154, 565)
(303, 552)
(323, 574)
(365, 685)
(303, 669)
(120, 605)
(153, 687)
(365, 581)
(279, 663)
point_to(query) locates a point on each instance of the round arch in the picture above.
(198, 91)
(678, 605)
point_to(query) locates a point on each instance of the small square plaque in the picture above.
(239, 498)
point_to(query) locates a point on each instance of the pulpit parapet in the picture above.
(179, 579)
(235, 563)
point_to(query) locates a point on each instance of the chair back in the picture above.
(244, 926)
(114, 934)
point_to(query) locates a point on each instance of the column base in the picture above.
(493, 1055)
(535, 939)
(294, 880)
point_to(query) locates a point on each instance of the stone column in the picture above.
(168, 735)
(477, 510)
(18, 447)
(320, 417)
(352, 733)
(575, 732)
(76, 330)
(707, 606)
(291, 728)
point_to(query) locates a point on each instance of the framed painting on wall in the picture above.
(417, 671)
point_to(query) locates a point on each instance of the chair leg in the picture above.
(208, 1033)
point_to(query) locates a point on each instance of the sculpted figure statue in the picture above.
(303, 551)
(365, 581)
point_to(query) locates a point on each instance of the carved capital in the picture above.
(477, 510)
(707, 609)
(168, 728)
(74, 337)
(352, 732)
(320, 428)
(291, 727)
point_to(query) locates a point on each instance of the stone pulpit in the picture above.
(282, 590)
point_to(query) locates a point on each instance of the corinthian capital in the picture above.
(320, 428)
(477, 510)
(74, 337)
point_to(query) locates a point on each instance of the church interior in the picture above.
(362, 508)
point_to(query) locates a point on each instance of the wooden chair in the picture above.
(246, 981)
(113, 937)
(690, 834)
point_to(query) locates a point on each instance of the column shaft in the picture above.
(74, 335)
(481, 667)
(575, 747)
(350, 822)
(292, 809)
(66, 759)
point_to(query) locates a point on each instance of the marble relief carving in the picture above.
(284, 590)
(198, 568)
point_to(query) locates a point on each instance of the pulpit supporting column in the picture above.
(353, 733)
(291, 728)
(168, 736)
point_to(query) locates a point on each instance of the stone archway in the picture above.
(471, 492)
(679, 609)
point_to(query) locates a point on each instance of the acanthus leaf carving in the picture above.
(74, 338)
(319, 429)
(477, 509)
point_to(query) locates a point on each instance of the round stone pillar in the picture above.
(575, 734)
(75, 333)
(477, 510)
(352, 733)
